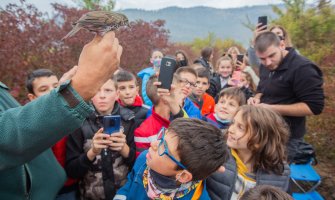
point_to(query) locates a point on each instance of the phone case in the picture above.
(240, 57)
(168, 67)
(263, 20)
(111, 124)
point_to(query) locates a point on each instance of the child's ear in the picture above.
(184, 176)
(137, 89)
(31, 96)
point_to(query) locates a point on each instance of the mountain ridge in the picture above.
(186, 24)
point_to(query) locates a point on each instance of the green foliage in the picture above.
(107, 5)
(212, 41)
(311, 28)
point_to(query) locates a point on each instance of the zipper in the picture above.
(27, 182)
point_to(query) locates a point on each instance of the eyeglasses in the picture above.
(185, 82)
(163, 148)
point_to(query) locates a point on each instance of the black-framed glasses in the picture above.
(164, 150)
(186, 82)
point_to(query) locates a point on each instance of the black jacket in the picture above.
(215, 86)
(90, 173)
(220, 185)
(295, 80)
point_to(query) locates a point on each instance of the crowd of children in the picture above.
(198, 140)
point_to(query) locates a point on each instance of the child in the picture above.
(229, 100)
(224, 71)
(175, 166)
(155, 60)
(38, 83)
(247, 85)
(100, 176)
(199, 97)
(185, 80)
(265, 192)
(128, 95)
(164, 110)
(257, 138)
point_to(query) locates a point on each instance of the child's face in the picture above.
(104, 100)
(202, 86)
(238, 137)
(180, 57)
(42, 86)
(156, 55)
(243, 80)
(127, 91)
(225, 68)
(186, 83)
(164, 164)
(226, 108)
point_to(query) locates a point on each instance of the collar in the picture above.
(285, 63)
(137, 103)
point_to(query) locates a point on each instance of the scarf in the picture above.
(171, 190)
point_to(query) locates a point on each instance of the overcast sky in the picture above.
(44, 5)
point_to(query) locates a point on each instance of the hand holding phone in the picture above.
(167, 69)
(111, 124)
(263, 21)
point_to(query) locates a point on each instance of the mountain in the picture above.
(185, 24)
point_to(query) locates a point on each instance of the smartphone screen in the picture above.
(263, 20)
(167, 69)
(111, 124)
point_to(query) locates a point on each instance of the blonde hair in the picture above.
(252, 84)
(233, 49)
(225, 58)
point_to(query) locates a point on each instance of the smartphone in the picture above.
(167, 69)
(240, 58)
(263, 20)
(111, 124)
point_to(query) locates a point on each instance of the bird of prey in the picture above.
(99, 22)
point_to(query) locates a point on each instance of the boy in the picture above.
(40, 82)
(199, 97)
(165, 108)
(100, 176)
(128, 95)
(185, 81)
(177, 163)
(155, 60)
(229, 100)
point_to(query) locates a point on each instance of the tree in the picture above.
(30, 40)
(311, 28)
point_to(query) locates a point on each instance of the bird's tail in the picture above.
(71, 33)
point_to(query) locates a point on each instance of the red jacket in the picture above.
(59, 150)
(147, 131)
(208, 104)
(137, 103)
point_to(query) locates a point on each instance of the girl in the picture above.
(257, 138)
(224, 70)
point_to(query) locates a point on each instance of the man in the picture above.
(289, 84)
(28, 131)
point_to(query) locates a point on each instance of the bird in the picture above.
(99, 22)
